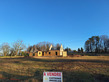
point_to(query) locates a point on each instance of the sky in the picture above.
(68, 22)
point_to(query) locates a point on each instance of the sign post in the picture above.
(52, 77)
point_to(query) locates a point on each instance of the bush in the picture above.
(25, 54)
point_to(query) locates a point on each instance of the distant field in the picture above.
(75, 69)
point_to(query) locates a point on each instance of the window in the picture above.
(42, 53)
(49, 52)
(33, 54)
(56, 53)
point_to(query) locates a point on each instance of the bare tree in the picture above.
(5, 48)
(58, 46)
(44, 46)
(29, 48)
(18, 46)
(12, 52)
(47, 46)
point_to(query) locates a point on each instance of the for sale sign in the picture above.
(52, 77)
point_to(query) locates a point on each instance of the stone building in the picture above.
(52, 52)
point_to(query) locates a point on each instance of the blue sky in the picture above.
(69, 22)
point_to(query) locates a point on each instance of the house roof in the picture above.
(33, 50)
(54, 48)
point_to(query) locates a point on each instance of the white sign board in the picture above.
(52, 77)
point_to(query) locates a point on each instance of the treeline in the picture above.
(19, 48)
(97, 44)
(15, 49)
(43, 46)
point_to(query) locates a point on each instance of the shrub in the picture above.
(25, 54)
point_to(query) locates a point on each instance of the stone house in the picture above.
(52, 52)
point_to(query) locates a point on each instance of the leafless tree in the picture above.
(5, 48)
(12, 52)
(44, 46)
(18, 46)
(58, 46)
(29, 48)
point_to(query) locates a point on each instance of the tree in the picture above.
(47, 46)
(5, 48)
(91, 43)
(18, 46)
(58, 46)
(12, 52)
(87, 46)
(79, 50)
(29, 48)
(104, 42)
(108, 43)
(97, 44)
(82, 50)
(97, 39)
(38, 47)
(74, 51)
(67, 49)
(43, 46)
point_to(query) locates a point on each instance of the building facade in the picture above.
(52, 52)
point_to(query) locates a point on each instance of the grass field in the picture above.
(75, 69)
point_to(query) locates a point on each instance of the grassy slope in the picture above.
(75, 69)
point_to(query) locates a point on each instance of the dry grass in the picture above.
(75, 69)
